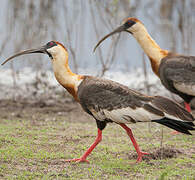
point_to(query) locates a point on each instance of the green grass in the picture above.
(38, 151)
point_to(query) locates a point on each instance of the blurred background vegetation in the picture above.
(80, 24)
(39, 122)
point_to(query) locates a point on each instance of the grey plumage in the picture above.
(108, 94)
(177, 74)
(109, 101)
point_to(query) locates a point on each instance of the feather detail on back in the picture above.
(108, 100)
(177, 74)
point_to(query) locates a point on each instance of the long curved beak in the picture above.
(118, 30)
(30, 51)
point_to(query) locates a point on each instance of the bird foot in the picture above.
(175, 132)
(140, 155)
(78, 160)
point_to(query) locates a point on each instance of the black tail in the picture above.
(179, 126)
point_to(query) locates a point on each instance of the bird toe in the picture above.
(140, 155)
(78, 160)
(175, 132)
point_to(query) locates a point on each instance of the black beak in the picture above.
(38, 50)
(118, 30)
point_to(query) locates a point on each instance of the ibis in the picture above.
(108, 101)
(176, 71)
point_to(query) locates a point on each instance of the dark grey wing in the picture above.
(108, 100)
(171, 109)
(105, 99)
(178, 74)
(108, 94)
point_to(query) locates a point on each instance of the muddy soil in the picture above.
(66, 108)
(44, 109)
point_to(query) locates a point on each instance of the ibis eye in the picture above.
(129, 23)
(51, 44)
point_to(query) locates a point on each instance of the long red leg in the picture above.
(130, 134)
(84, 156)
(188, 108)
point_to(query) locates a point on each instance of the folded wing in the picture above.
(111, 101)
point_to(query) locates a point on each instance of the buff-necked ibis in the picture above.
(176, 72)
(108, 101)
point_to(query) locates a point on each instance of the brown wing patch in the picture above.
(154, 65)
(80, 77)
(72, 91)
(71, 88)
(129, 118)
(153, 110)
(172, 108)
(164, 53)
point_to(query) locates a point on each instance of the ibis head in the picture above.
(51, 49)
(129, 25)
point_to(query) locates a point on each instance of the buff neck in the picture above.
(64, 75)
(150, 47)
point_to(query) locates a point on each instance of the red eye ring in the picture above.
(51, 43)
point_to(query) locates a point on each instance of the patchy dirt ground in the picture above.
(45, 109)
(48, 108)
(37, 136)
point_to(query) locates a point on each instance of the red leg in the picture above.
(130, 134)
(175, 132)
(188, 108)
(84, 156)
